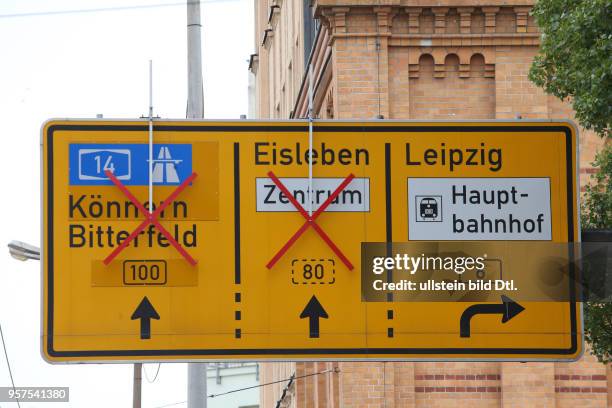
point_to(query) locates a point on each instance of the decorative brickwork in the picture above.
(459, 91)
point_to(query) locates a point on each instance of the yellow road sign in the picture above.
(232, 261)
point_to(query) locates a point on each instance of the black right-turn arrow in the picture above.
(314, 310)
(508, 308)
(145, 312)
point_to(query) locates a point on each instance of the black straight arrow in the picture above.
(314, 310)
(508, 309)
(145, 312)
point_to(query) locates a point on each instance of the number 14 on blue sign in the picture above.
(172, 163)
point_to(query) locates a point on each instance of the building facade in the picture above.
(225, 379)
(413, 59)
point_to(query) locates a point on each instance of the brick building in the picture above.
(413, 59)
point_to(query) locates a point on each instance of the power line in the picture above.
(290, 379)
(172, 405)
(270, 383)
(106, 9)
(144, 368)
(8, 363)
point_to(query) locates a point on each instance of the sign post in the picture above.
(228, 263)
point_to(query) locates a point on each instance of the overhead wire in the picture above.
(291, 379)
(272, 382)
(144, 368)
(171, 404)
(8, 364)
(106, 9)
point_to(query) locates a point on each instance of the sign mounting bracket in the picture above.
(150, 135)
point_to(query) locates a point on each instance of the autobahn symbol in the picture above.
(164, 167)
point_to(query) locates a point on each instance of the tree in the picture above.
(597, 214)
(597, 198)
(574, 60)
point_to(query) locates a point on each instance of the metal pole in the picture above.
(310, 120)
(137, 392)
(195, 84)
(196, 372)
(150, 136)
(196, 385)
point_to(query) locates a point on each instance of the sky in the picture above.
(56, 63)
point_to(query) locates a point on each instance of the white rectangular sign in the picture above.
(354, 198)
(479, 209)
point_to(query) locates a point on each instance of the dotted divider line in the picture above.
(390, 317)
(238, 314)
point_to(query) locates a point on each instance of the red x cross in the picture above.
(150, 218)
(310, 221)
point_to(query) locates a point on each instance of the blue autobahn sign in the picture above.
(172, 163)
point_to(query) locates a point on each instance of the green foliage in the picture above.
(575, 59)
(597, 214)
(598, 330)
(597, 199)
(575, 63)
